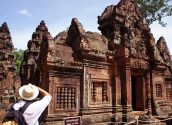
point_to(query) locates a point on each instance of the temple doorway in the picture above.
(138, 93)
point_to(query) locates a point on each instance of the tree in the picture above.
(155, 10)
(18, 59)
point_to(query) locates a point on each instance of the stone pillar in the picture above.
(84, 90)
(148, 86)
(116, 93)
(126, 94)
(126, 86)
(116, 85)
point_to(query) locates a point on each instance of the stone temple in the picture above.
(9, 80)
(109, 77)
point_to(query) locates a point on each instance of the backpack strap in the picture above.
(10, 107)
(24, 107)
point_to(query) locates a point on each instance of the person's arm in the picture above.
(43, 92)
(42, 103)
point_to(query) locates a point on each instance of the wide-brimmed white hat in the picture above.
(28, 92)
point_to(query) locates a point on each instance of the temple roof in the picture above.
(42, 27)
(4, 28)
(86, 41)
(61, 38)
(96, 41)
(5, 36)
(122, 12)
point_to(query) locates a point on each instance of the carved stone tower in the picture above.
(7, 64)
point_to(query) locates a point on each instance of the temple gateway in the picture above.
(112, 77)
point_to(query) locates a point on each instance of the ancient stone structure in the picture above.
(104, 77)
(8, 76)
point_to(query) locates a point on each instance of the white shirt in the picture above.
(34, 111)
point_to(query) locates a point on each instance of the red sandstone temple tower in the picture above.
(7, 64)
(104, 77)
(34, 63)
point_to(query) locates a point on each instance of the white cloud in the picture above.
(24, 12)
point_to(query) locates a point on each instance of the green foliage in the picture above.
(155, 10)
(18, 59)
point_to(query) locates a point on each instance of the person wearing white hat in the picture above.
(33, 112)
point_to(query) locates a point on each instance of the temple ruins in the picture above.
(115, 76)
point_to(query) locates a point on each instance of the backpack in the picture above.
(15, 117)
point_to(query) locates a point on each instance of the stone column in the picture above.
(148, 116)
(148, 86)
(84, 90)
(85, 87)
(116, 93)
(126, 87)
(116, 86)
(126, 94)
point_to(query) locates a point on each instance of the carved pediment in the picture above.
(124, 24)
(139, 64)
(137, 44)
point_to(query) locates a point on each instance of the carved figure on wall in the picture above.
(51, 55)
(114, 43)
(117, 33)
(126, 40)
(143, 50)
(134, 41)
(84, 44)
(130, 20)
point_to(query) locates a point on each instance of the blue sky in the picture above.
(23, 16)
